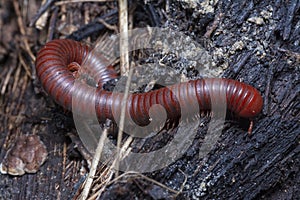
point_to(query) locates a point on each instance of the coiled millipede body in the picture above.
(59, 61)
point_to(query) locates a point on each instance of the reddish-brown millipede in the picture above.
(58, 59)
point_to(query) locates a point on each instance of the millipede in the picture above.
(59, 64)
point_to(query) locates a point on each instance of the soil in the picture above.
(256, 42)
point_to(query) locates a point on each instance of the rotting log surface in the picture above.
(263, 165)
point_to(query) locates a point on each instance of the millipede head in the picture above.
(253, 107)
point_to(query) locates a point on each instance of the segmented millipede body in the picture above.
(58, 58)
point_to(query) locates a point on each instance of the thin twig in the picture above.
(124, 67)
(79, 1)
(123, 21)
(94, 165)
(122, 119)
(110, 171)
(17, 79)
(136, 174)
(6, 79)
(108, 26)
(182, 185)
(26, 68)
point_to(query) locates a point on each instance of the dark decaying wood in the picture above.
(257, 42)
